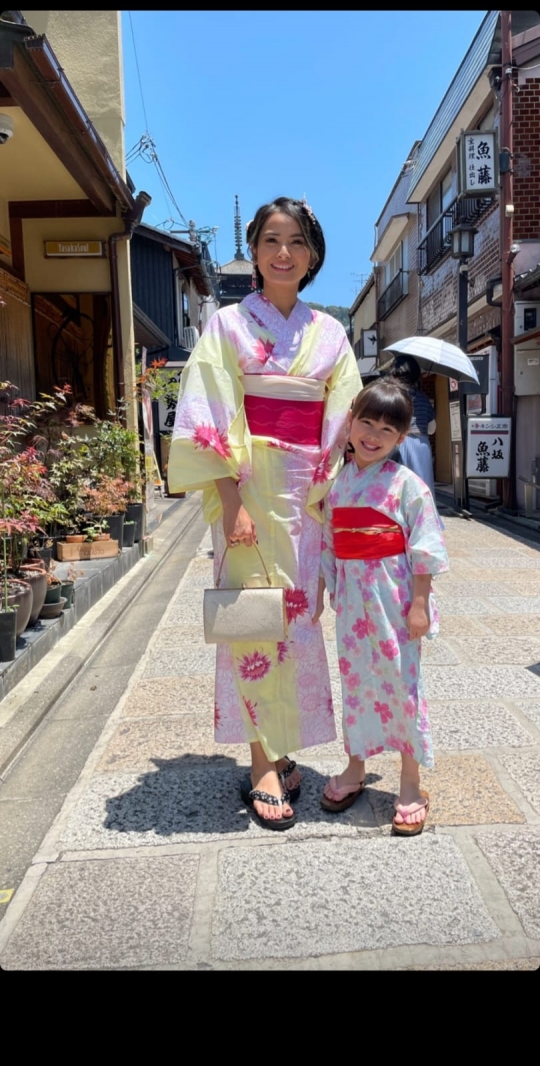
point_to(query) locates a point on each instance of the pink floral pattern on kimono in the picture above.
(384, 706)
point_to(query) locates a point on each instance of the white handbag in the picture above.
(244, 615)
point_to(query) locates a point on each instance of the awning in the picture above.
(146, 331)
(385, 245)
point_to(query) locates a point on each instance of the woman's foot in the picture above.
(291, 780)
(270, 782)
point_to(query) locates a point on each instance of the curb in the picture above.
(24, 708)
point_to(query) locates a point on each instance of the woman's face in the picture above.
(282, 254)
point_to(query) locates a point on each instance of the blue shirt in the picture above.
(423, 410)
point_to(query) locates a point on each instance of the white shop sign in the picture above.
(488, 447)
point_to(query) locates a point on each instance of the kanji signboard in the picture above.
(478, 163)
(488, 447)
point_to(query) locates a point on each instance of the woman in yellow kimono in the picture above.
(260, 427)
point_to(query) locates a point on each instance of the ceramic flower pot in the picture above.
(20, 594)
(36, 576)
(66, 592)
(128, 535)
(8, 635)
(135, 513)
(53, 592)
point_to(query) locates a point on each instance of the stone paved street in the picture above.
(154, 863)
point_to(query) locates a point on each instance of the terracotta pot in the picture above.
(75, 538)
(36, 576)
(103, 536)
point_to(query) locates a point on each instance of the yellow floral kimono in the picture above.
(263, 399)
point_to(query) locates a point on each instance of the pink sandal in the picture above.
(412, 829)
(348, 795)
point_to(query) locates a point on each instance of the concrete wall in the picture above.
(88, 45)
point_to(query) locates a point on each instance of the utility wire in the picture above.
(138, 71)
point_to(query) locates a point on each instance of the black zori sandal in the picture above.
(294, 793)
(249, 795)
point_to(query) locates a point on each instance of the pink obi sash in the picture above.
(363, 533)
(290, 409)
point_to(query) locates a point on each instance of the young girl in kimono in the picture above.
(261, 427)
(382, 543)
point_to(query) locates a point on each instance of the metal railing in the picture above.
(392, 295)
(437, 241)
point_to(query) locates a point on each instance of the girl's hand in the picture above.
(320, 602)
(417, 621)
(238, 527)
(418, 616)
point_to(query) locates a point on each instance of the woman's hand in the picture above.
(320, 601)
(238, 527)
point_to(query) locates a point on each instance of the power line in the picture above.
(138, 71)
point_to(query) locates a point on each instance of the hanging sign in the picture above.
(488, 447)
(74, 250)
(478, 171)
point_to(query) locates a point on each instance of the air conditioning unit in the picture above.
(526, 316)
(527, 369)
(190, 337)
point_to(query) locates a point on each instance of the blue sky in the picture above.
(272, 103)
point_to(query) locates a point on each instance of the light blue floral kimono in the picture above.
(383, 697)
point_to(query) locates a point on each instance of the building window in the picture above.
(395, 280)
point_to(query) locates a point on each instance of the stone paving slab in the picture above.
(364, 889)
(468, 606)
(135, 746)
(453, 626)
(506, 560)
(463, 790)
(515, 605)
(506, 625)
(445, 682)
(439, 652)
(107, 915)
(461, 725)
(178, 636)
(176, 662)
(182, 803)
(524, 768)
(530, 709)
(460, 588)
(170, 695)
(515, 860)
(518, 650)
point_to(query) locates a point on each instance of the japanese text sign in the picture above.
(478, 163)
(488, 447)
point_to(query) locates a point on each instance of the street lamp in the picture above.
(462, 237)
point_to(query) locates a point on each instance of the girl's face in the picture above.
(282, 254)
(372, 440)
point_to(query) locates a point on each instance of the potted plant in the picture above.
(128, 538)
(8, 613)
(108, 500)
(54, 586)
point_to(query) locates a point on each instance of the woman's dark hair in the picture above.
(385, 400)
(308, 224)
(404, 369)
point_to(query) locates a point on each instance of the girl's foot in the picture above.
(291, 780)
(270, 782)
(341, 791)
(411, 807)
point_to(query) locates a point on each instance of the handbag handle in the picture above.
(218, 579)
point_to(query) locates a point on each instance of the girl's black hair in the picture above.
(385, 400)
(309, 225)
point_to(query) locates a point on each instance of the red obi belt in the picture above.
(363, 533)
(291, 421)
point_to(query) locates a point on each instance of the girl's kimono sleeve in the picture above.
(328, 559)
(210, 438)
(342, 386)
(426, 550)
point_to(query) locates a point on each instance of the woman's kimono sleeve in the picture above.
(426, 550)
(342, 386)
(210, 438)
(328, 559)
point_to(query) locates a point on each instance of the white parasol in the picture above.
(434, 357)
